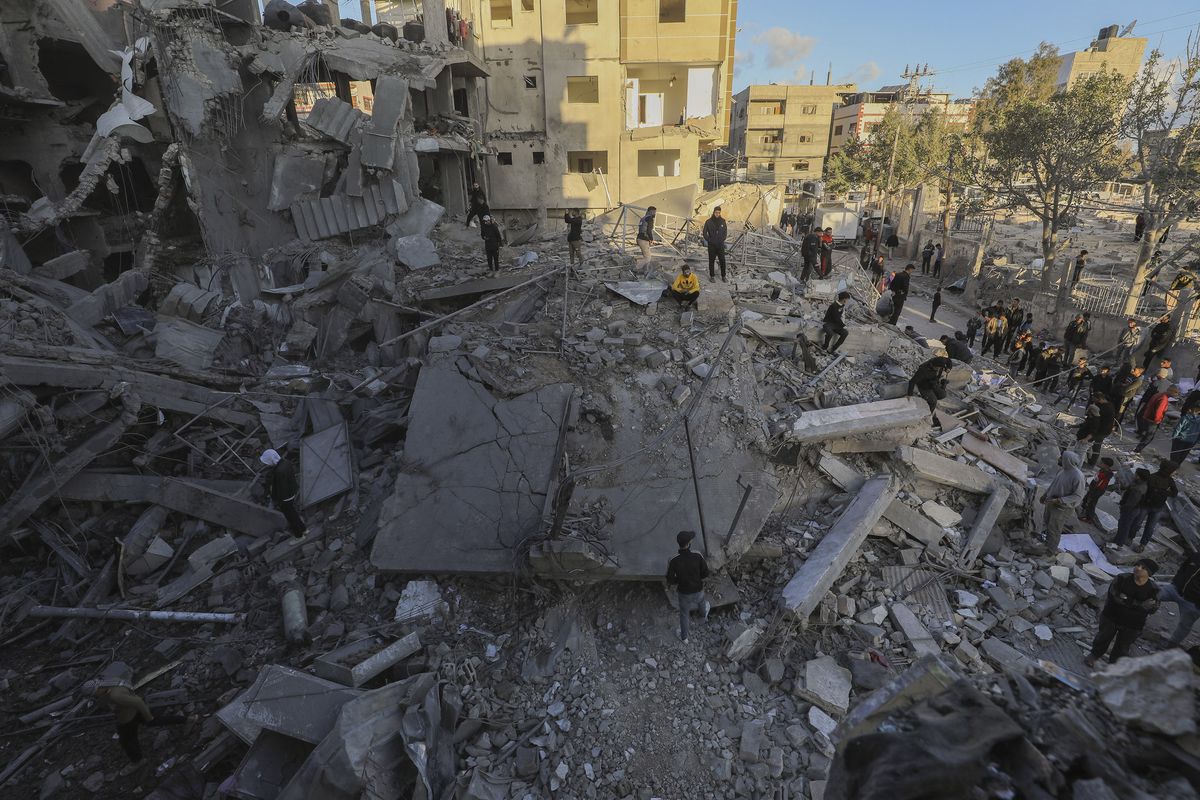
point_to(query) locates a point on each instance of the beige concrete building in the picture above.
(864, 111)
(590, 104)
(780, 133)
(1121, 54)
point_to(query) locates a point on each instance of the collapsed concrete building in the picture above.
(235, 234)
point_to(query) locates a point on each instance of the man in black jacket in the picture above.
(957, 347)
(489, 231)
(1077, 378)
(574, 222)
(478, 202)
(1160, 337)
(1098, 422)
(283, 489)
(1132, 598)
(1184, 592)
(810, 251)
(929, 380)
(926, 255)
(713, 236)
(687, 571)
(1075, 336)
(833, 324)
(899, 289)
(1160, 487)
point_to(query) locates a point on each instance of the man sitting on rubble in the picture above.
(687, 571)
(1184, 592)
(929, 381)
(833, 324)
(686, 288)
(1062, 498)
(283, 488)
(1132, 597)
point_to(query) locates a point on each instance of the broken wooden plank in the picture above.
(43, 485)
(985, 520)
(193, 498)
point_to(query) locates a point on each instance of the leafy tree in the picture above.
(1163, 121)
(1016, 82)
(1041, 153)
(917, 141)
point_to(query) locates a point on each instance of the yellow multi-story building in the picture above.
(1120, 54)
(590, 104)
(780, 133)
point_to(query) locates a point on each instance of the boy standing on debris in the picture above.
(489, 231)
(1098, 486)
(645, 235)
(1132, 597)
(713, 236)
(1061, 498)
(1131, 498)
(687, 571)
(929, 381)
(574, 222)
(833, 324)
(686, 288)
(283, 488)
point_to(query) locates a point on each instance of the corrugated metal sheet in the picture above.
(335, 118)
(330, 216)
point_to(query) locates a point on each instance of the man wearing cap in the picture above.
(687, 571)
(283, 489)
(1132, 598)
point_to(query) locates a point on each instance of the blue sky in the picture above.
(869, 43)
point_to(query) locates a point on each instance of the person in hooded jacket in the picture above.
(1098, 422)
(283, 489)
(1062, 498)
(929, 381)
(810, 251)
(713, 235)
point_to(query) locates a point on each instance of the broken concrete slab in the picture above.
(942, 515)
(1003, 461)
(420, 218)
(91, 310)
(985, 521)
(1007, 657)
(419, 600)
(296, 177)
(807, 588)
(927, 677)
(286, 701)
(856, 420)
(898, 512)
(358, 662)
(1154, 692)
(326, 469)
(947, 471)
(416, 251)
(827, 684)
(379, 135)
(919, 638)
(642, 293)
(186, 343)
(335, 118)
(64, 266)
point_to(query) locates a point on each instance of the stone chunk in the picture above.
(419, 600)
(918, 636)
(827, 684)
(742, 640)
(942, 515)
(839, 421)
(444, 344)
(1154, 692)
(1060, 574)
(753, 739)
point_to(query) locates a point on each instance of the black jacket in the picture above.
(1159, 489)
(811, 246)
(574, 228)
(833, 315)
(490, 233)
(1076, 333)
(1099, 425)
(479, 200)
(1127, 604)
(281, 483)
(959, 351)
(715, 231)
(1078, 375)
(1102, 384)
(1159, 335)
(688, 570)
(899, 285)
(1187, 579)
(932, 371)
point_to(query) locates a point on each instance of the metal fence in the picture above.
(1106, 298)
(973, 224)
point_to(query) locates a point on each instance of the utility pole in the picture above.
(913, 76)
(949, 200)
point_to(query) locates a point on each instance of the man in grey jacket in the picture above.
(1062, 498)
(1128, 341)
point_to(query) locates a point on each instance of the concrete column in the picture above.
(454, 183)
(435, 21)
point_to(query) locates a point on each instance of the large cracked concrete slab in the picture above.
(475, 474)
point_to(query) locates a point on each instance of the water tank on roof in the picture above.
(414, 31)
(385, 31)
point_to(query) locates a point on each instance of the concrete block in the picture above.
(419, 600)
(64, 266)
(947, 471)
(942, 515)
(985, 521)
(855, 420)
(804, 592)
(827, 684)
(919, 638)
(359, 662)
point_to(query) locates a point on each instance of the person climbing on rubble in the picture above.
(1128, 341)
(686, 572)
(973, 326)
(1184, 592)
(899, 289)
(645, 236)
(1079, 377)
(492, 237)
(1061, 500)
(1098, 485)
(1098, 422)
(686, 288)
(929, 381)
(574, 222)
(1160, 487)
(1185, 435)
(935, 304)
(1075, 336)
(810, 252)
(131, 713)
(283, 489)
(713, 235)
(478, 204)
(1132, 597)
(833, 324)
(1150, 416)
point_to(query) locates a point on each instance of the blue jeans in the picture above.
(1147, 520)
(1188, 612)
(687, 604)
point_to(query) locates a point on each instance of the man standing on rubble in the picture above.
(283, 489)
(833, 324)
(899, 289)
(1150, 417)
(1132, 597)
(1158, 340)
(687, 571)
(1077, 378)
(713, 236)
(1098, 422)
(1125, 388)
(131, 712)
(1129, 340)
(574, 222)
(1160, 487)
(1184, 592)
(973, 326)
(645, 235)
(1062, 499)
(810, 251)
(492, 237)
(1075, 336)
(929, 381)
(826, 252)
(478, 202)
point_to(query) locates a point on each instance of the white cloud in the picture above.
(801, 75)
(863, 73)
(784, 47)
(743, 61)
